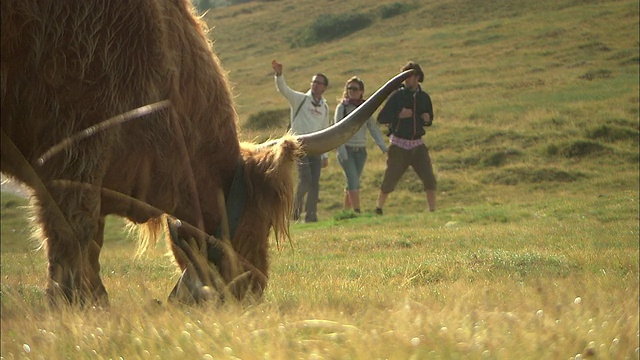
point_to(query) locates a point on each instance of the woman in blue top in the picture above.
(353, 154)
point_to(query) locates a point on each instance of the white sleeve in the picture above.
(294, 97)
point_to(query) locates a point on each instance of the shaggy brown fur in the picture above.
(68, 65)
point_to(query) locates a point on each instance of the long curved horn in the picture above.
(320, 142)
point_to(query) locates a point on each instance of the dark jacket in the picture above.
(410, 128)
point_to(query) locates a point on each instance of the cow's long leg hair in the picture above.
(97, 289)
(71, 275)
(190, 249)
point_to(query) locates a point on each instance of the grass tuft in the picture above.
(517, 175)
(581, 148)
(610, 133)
(499, 158)
(596, 74)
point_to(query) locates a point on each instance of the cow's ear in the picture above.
(289, 148)
(276, 157)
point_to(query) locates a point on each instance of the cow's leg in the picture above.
(251, 280)
(198, 281)
(69, 223)
(97, 290)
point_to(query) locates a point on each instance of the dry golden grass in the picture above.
(344, 318)
(543, 282)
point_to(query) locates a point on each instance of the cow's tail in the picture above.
(147, 234)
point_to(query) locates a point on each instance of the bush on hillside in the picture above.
(517, 175)
(329, 27)
(267, 119)
(596, 74)
(581, 148)
(499, 158)
(552, 150)
(395, 9)
(612, 133)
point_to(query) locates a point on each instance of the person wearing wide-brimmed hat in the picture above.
(407, 113)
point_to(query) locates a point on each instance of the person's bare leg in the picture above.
(382, 197)
(431, 199)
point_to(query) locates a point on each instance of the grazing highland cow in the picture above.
(122, 108)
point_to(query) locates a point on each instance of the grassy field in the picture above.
(533, 252)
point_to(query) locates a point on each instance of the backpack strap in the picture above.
(296, 113)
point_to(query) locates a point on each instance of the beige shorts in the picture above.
(399, 159)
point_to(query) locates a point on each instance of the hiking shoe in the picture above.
(378, 211)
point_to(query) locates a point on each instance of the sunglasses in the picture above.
(353, 88)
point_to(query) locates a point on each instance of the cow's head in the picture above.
(234, 261)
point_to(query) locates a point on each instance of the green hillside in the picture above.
(529, 97)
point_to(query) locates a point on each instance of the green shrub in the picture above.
(517, 175)
(552, 150)
(395, 9)
(267, 119)
(330, 27)
(596, 74)
(632, 157)
(498, 158)
(580, 148)
(612, 133)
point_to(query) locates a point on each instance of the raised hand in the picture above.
(277, 67)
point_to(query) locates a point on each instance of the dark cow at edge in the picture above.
(70, 65)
